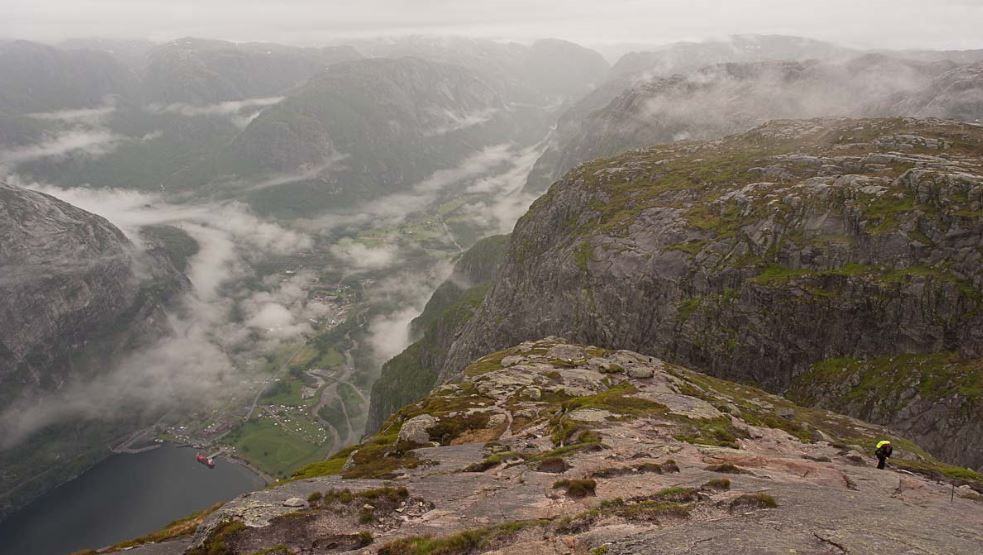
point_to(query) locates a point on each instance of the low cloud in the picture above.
(390, 334)
(241, 112)
(303, 174)
(94, 143)
(723, 99)
(78, 132)
(393, 209)
(360, 256)
(503, 194)
(475, 165)
(457, 121)
(409, 290)
(221, 326)
(133, 210)
(227, 321)
(87, 116)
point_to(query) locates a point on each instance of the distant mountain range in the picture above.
(712, 101)
(765, 252)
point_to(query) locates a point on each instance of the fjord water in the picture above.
(123, 497)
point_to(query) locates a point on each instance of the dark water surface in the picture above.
(120, 498)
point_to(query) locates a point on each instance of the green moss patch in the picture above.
(722, 484)
(463, 543)
(379, 461)
(719, 432)
(656, 468)
(677, 494)
(492, 461)
(486, 364)
(886, 380)
(448, 429)
(753, 501)
(619, 400)
(644, 509)
(329, 467)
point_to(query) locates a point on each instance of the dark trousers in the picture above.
(880, 461)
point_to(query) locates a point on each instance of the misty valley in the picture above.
(371, 281)
(286, 268)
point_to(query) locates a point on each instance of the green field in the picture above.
(304, 357)
(331, 358)
(274, 450)
(284, 392)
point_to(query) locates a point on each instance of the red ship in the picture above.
(207, 461)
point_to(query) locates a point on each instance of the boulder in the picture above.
(533, 393)
(416, 429)
(497, 420)
(295, 502)
(604, 366)
(566, 352)
(349, 462)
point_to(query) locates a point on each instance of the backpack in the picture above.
(884, 450)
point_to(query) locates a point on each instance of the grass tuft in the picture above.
(462, 543)
(753, 501)
(553, 465)
(726, 468)
(722, 484)
(577, 488)
(181, 527)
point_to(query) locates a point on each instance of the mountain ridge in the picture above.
(757, 256)
(549, 446)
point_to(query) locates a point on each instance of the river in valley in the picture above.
(123, 497)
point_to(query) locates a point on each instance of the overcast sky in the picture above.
(955, 24)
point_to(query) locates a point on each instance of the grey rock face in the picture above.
(783, 491)
(69, 278)
(74, 295)
(759, 255)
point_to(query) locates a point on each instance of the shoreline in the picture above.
(229, 457)
(244, 463)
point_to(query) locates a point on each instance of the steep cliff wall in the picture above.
(760, 255)
(75, 294)
(411, 375)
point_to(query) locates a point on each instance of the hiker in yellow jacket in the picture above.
(882, 452)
